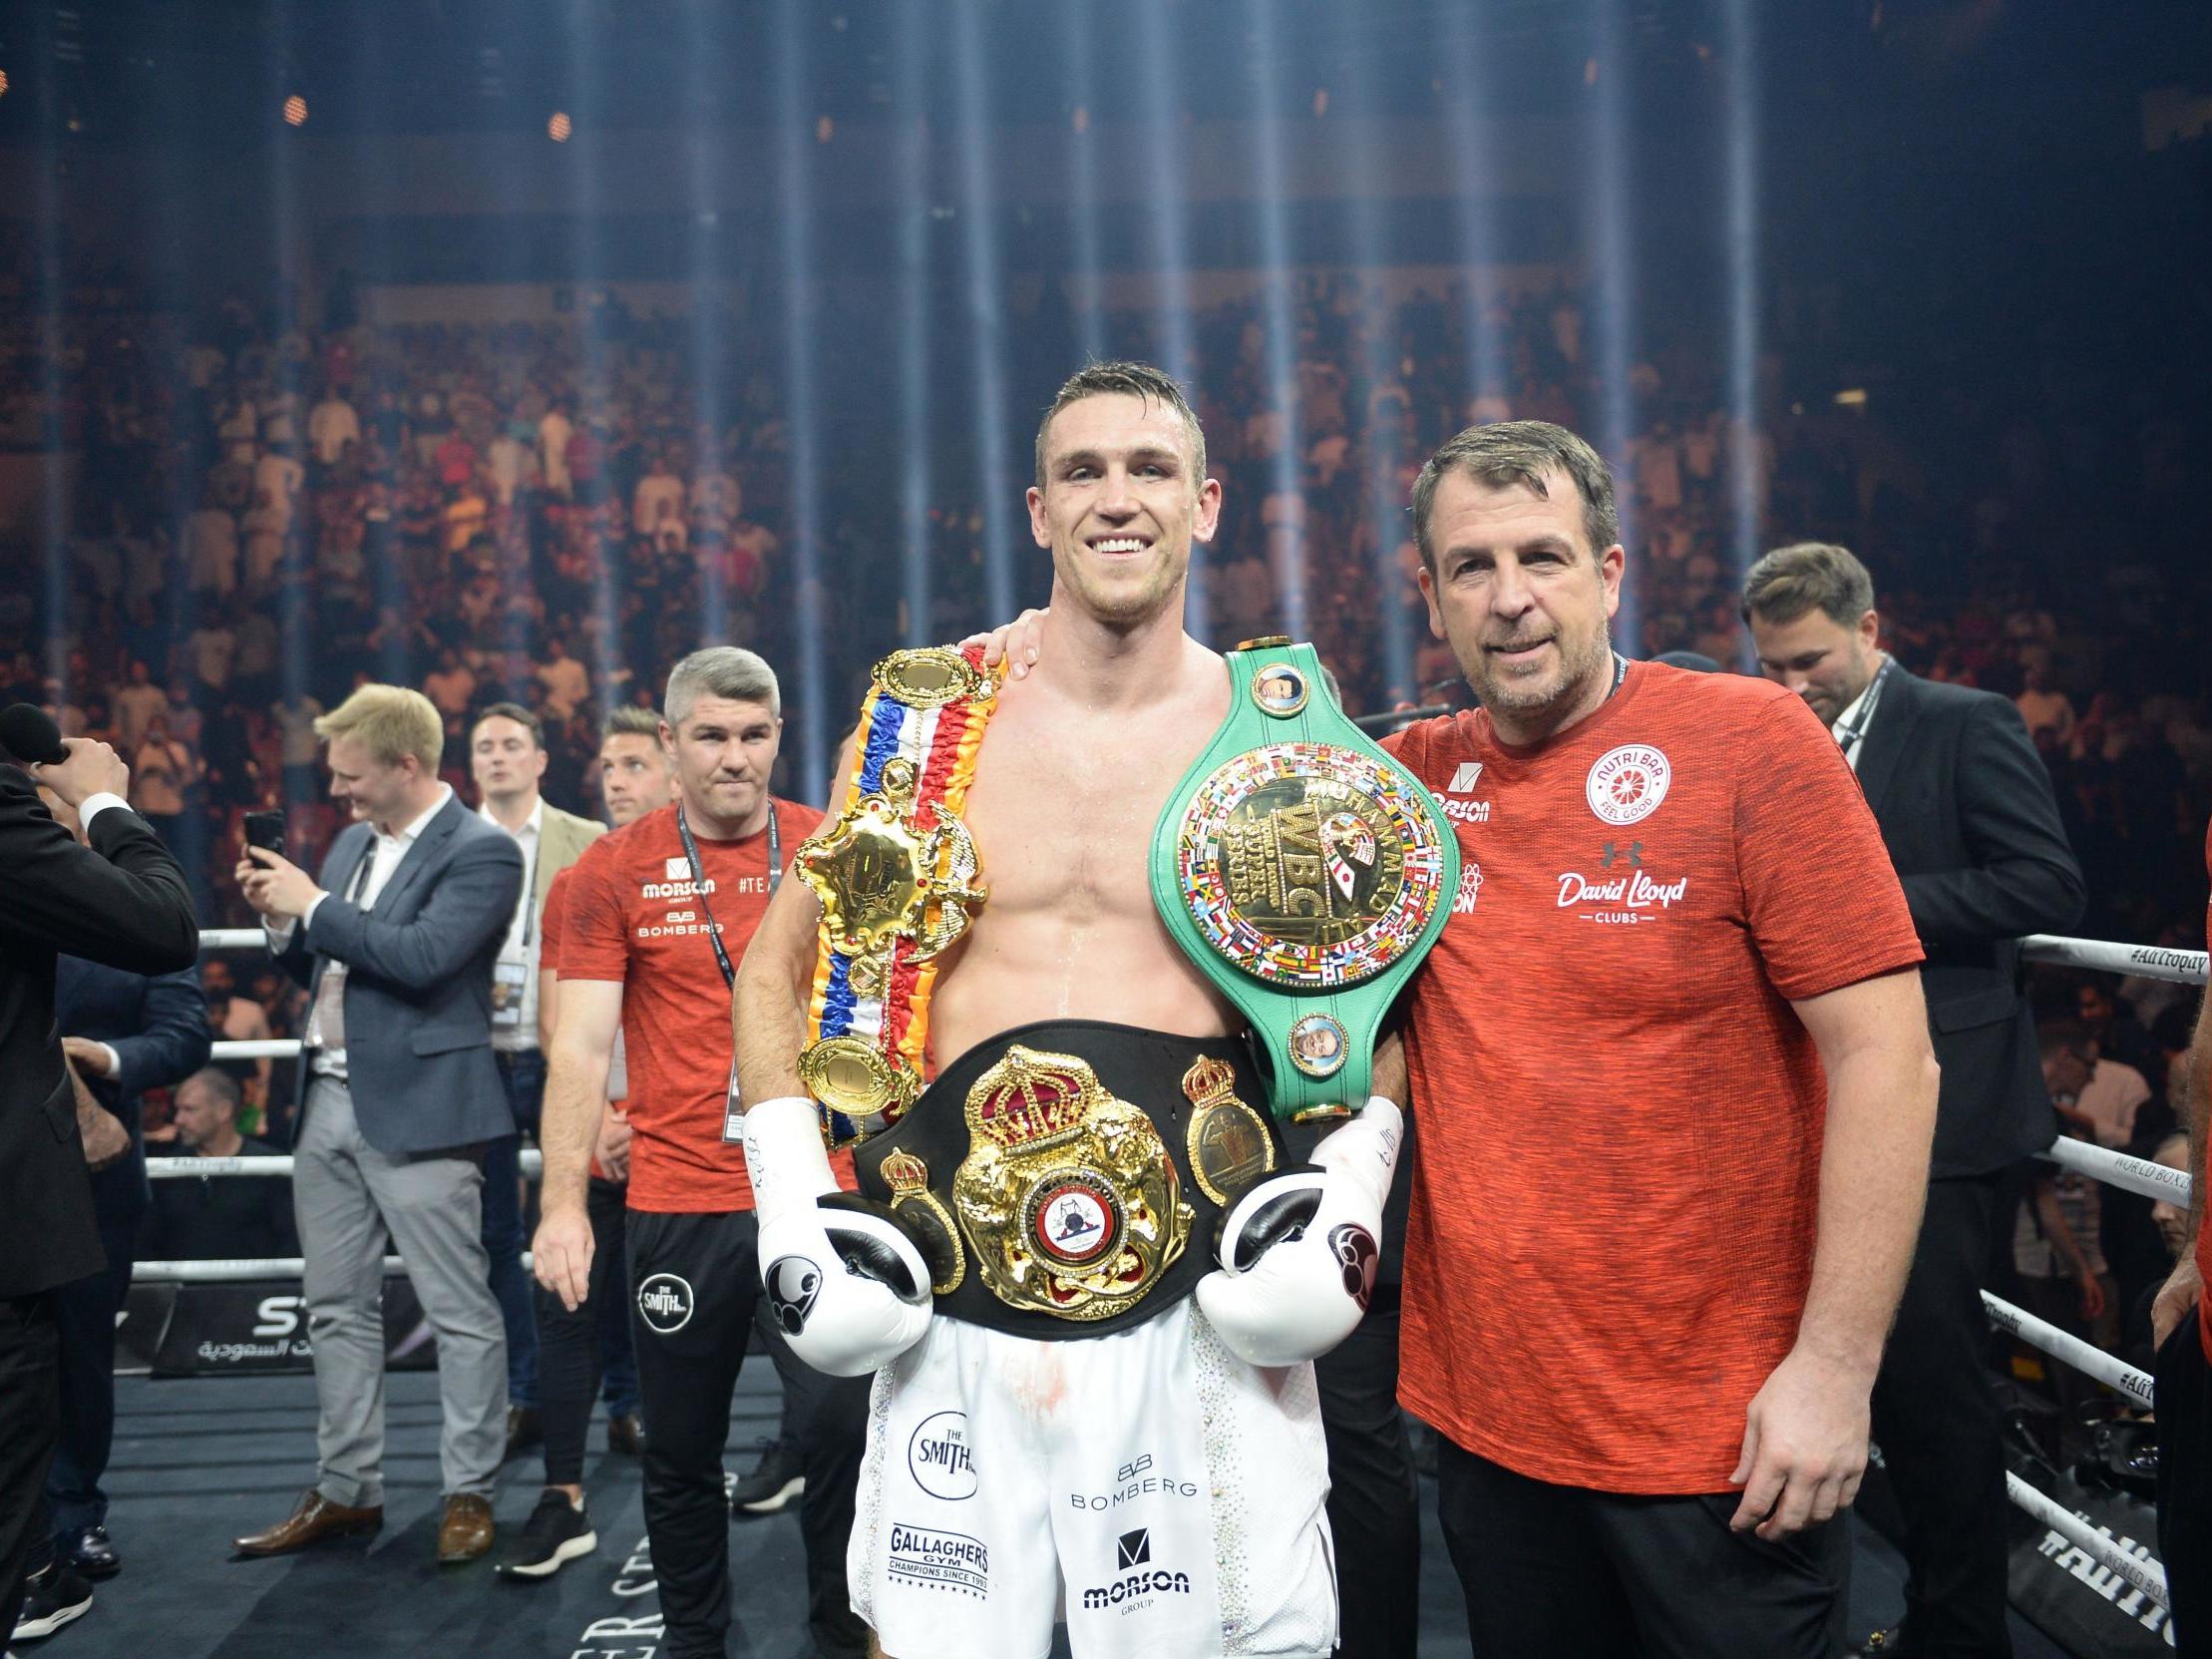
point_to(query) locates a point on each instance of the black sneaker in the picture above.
(52, 1597)
(557, 1533)
(776, 1480)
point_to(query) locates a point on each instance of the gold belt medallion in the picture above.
(1228, 1141)
(924, 1211)
(1067, 1194)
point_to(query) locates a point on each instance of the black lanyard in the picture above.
(360, 881)
(1849, 738)
(699, 881)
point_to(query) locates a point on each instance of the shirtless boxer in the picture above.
(1150, 1469)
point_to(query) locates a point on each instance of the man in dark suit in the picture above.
(395, 943)
(125, 1034)
(120, 899)
(1967, 812)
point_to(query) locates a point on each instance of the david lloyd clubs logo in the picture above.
(664, 1303)
(1133, 1549)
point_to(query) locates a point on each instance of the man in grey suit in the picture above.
(395, 943)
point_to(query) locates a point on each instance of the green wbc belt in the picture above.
(1307, 873)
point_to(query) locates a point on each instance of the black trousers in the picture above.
(2184, 1394)
(85, 1326)
(694, 1286)
(1560, 1572)
(30, 1407)
(569, 1342)
(1937, 1422)
(1374, 1500)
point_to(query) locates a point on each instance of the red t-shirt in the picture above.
(551, 929)
(634, 918)
(1621, 1115)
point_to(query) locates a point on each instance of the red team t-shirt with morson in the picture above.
(634, 918)
(1621, 1115)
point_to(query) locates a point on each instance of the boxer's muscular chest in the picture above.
(1063, 809)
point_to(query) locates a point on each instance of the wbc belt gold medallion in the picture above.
(1067, 1194)
(1301, 865)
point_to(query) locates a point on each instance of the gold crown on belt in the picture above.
(1029, 1099)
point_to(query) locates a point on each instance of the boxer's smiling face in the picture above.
(1120, 506)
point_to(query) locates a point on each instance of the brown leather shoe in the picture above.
(465, 1531)
(316, 1520)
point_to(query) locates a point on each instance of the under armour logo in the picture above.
(1635, 855)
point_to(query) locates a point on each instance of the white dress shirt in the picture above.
(522, 943)
(383, 855)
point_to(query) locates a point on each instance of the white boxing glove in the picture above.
(1299, 1251)
(845, 1282)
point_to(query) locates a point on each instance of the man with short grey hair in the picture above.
(1966, 814)
(659, 914)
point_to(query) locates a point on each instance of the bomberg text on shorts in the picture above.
(1131, 1482)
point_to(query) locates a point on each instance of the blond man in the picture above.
(395, 942)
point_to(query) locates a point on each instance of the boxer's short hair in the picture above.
(1138, 380)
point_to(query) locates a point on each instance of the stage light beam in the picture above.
(1278, 324)
(794, 245)
(1740, 44)
(996, 482)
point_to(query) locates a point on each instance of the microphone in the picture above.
(29, 733)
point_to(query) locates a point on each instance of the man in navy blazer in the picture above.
(1972, 827)
(116, 896)
(395, 943)
(124, 1034)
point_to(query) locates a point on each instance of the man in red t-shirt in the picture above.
(2184, 1369)
(634, 779)
(659, 914)
(1676, 1097)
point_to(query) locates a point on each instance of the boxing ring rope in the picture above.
(2121, 1169)
(2143, 961)
(2139, 1175)
(2086, 1357)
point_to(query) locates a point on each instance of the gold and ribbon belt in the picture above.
(897, 877)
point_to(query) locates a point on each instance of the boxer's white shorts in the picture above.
(1149, 1487)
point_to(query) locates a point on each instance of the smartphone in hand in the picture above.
(265, 830)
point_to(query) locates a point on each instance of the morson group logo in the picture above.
(1134, 1551)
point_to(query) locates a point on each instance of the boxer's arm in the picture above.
(775, 979)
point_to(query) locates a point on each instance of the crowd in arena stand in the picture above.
(552, 512)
